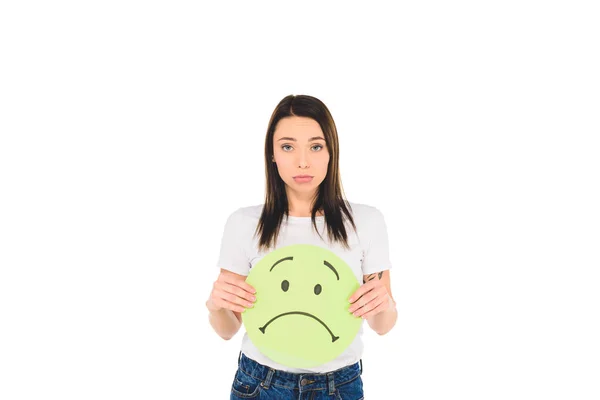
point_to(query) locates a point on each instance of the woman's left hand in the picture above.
(371, 298)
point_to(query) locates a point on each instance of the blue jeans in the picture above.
(256, 381)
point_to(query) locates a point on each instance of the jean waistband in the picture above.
(303, 381)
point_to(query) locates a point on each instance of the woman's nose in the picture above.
(303, 159)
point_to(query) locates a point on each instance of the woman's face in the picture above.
(299, 149)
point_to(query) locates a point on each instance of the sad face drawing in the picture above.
(300, 317)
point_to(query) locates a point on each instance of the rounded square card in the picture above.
(300, 317)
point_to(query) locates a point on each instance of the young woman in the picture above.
(303, 202)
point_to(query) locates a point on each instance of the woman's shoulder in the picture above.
(361, 210)
(247, 213)
(369, 220)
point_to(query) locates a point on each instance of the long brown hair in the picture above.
(329, 195)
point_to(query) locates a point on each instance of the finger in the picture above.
(237, 291)
(368, 306)
(234, 289)
(232, 298)
(380, 308)
(242, 284)
(229, 306)
(378, 292)
(366, 288)
(361, 291)
(362, 301)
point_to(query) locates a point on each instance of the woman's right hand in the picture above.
(231, 292)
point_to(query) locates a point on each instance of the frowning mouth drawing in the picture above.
(333, 337)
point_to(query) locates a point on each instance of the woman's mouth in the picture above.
(303, 178)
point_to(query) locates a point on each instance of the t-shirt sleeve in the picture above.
(232, 254)
(376, 253)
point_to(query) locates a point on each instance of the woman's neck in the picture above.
(301, 205)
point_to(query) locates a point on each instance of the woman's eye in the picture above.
(285, 146)
(285, 285)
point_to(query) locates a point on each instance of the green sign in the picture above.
(300, 318)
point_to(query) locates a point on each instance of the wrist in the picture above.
(392, 305)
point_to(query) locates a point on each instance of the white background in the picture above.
(131, 130)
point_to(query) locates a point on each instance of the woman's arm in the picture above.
(373, 301)
(230, 296)
(225, 322)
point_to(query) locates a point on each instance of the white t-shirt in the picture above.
(369, 253)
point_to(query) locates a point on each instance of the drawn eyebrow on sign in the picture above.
(332, 268)
(283, 259)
